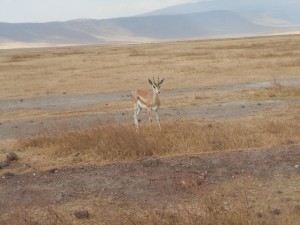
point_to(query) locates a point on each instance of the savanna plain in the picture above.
(228, 151)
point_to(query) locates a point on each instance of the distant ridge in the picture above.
(280, 10)
(186, 26)
(206, 19)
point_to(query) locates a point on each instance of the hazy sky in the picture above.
(15, 11)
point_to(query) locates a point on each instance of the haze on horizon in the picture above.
(37, 11)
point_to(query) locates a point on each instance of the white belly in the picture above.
(141, 104)
(154, 108)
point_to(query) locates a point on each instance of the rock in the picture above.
(9, 174)
(82, 214)
(4, 163)
(275, 211)
(11, 157)
(259, 215)
(54, 170)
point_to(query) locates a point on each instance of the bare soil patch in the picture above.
(152, 182)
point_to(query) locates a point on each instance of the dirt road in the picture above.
(11, 129)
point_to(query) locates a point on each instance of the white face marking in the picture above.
(156, 89)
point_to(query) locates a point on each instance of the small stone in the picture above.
(11, 156)
(259, 215)
(9, 174)
(54, 170)
(275, 211)
(296, 166)
(82, 214)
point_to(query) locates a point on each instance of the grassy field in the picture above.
(93, 69)
(27, 73)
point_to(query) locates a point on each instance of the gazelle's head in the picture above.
(156, 86)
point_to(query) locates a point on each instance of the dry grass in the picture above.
(233, 202)
(276, 91)
(93, 69)
(122, 142)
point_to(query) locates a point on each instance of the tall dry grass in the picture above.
(122, 142)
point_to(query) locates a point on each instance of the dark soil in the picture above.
(150, 180)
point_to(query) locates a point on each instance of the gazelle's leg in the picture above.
(139, 108)
(157, 118)
(135, 112)
(149, 116)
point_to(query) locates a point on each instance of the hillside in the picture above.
(133, 29)
(204, 19)
(268, 12)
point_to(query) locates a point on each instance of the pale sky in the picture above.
(18, 11)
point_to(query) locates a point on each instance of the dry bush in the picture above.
(122, 142)
(277, 90)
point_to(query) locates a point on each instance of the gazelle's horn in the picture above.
(154, 81)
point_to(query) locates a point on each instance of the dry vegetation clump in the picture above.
(122, 142)
(276, 91)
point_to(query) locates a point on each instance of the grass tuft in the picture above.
(122, 142)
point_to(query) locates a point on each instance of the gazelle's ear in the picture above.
(161, 81)
(153, 82)
(150, 82)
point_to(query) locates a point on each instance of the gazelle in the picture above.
(146, 99)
